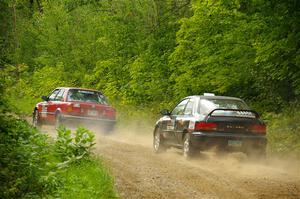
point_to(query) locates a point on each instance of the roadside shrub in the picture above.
(32, 165)
(73, 147)
(81, 175)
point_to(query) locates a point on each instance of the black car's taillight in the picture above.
(205, 126)
(259, 128)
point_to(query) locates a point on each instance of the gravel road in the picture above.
(139, 173)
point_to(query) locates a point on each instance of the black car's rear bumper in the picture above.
(203, 139)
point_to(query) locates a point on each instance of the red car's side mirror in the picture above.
(45, 98)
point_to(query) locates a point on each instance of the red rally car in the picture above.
(77, 105)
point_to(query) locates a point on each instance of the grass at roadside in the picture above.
(87, 179)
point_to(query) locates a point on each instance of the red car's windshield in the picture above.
(86, 96)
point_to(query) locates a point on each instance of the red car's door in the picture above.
(49, 107)
(54, 104)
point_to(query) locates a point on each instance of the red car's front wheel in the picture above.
(36, 119)
(58, 120)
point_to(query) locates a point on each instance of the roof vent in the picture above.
(209, 94)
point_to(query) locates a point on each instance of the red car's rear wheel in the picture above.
(58, 120)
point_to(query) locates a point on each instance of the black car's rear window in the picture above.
(207, 105)
(86, 96)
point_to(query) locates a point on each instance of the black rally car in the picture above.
(200, 122)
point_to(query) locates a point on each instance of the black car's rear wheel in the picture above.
(36, 119)
(158, 142)
(188, 149)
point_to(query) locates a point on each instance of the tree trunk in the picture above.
(15, 25)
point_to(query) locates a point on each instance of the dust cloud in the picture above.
(229, 162)
(131, 133)
(142, 135)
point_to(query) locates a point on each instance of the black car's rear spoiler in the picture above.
(242, 111)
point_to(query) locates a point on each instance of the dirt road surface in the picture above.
(139, 173)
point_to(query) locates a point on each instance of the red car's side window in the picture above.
(60, 95)
(53, 95)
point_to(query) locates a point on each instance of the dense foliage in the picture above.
(149, 53)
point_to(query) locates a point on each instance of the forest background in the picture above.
(145, 55)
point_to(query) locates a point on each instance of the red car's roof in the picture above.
(78, 88)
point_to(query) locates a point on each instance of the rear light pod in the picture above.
(258, 128)
(203, 126)
(206, 126)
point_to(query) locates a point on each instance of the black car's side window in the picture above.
(178, 110)
(53, 95)
(189, 107)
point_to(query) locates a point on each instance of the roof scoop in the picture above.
(208, 94)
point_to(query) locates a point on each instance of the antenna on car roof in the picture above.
(208, 94)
